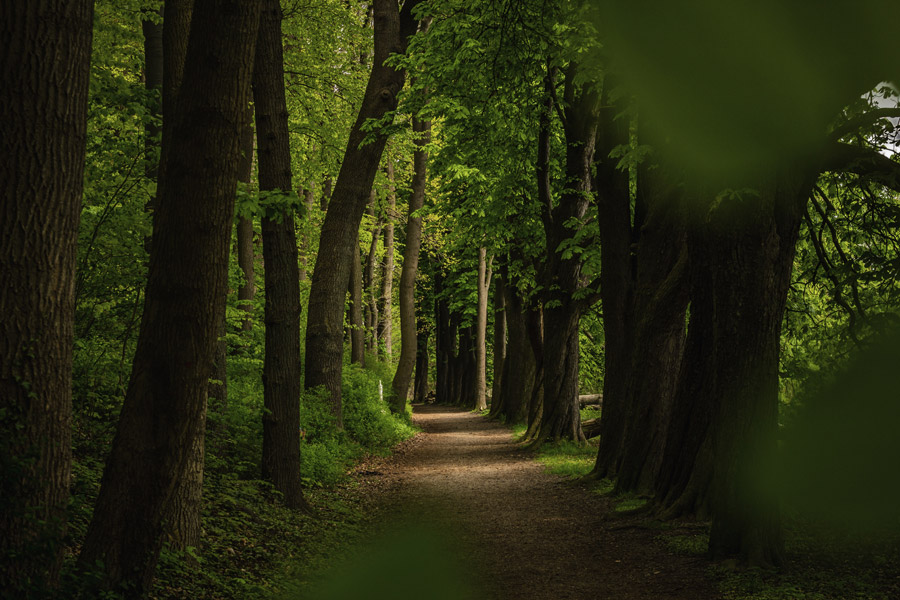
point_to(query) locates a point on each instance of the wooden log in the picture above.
(591, 428)
(590, 400)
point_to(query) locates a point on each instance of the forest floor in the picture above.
(463, 511)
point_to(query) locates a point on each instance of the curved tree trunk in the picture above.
(400, 384)
(166, 399)
(281, 369)
(324, 348)
(44, 71)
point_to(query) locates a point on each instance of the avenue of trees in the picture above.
(224, 224)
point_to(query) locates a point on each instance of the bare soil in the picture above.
(517, 531)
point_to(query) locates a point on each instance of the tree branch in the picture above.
(865, 162)
(862, 120)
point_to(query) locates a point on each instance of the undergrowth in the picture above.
(251, 546)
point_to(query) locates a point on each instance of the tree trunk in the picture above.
(281, 369)
(386, 311)
(499, 344)
(309, 199)
(441, 339)
(616, 277)
(369, 282)
(357, 325)
(400, 384)
(562, 277)
(166, 399)
(519, 366)
(657, 339)
(534, 400)
(152, 29)
(481, 332)
(324, 348)
(44, 71)
(247, 291)
(420, 391)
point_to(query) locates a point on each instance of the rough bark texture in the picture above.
(407, 361)
(324, 350)
(44, 69)
(519, 367)
(499, 365)
(371, 302)
(166, 399)
(616, 267)
(355, 310)
(481, 332)
(281, 369)
(657, 339)
(386, 310)
(562, 278)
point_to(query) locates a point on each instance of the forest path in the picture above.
(518, 531)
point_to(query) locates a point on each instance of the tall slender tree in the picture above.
(407, 361)
(281, 368)
(44, 71)
(166, 398)
(324, 348)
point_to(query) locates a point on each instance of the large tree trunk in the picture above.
(152, 28)
(484, 282)
(324, 348)
(281, 369)
(166, 399)
(616, 277)
(657, 338)
(562, 277)
(355, 311)
(400, 384)
(44, 70)
(386, 310)
(519, 367)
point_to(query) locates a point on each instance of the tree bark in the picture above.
(499, 344)
(420, 387)
(281, 369)
(166, 399)
(562, 277)
(519, 367)
(309, 199)
(152, 28)
(481, 331)
(369, 281)
(441, 338)
(357, 324)
(657, 338)
(616, 278)
(44, 71)
(324, 349)
(386, 311)
(400, 384)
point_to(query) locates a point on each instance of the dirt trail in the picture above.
(523, 533)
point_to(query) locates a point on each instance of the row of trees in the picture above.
(549, 178)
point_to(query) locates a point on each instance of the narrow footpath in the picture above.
(518, 532)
